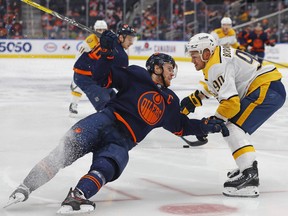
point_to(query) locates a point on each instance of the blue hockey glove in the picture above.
(108, 54)
(188, 104)
(108, 40)
(214, 125)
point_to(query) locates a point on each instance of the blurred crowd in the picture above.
(10, 19)
(177, 21)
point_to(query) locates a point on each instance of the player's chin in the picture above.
(168, 83)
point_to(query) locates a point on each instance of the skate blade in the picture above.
(14, 200)
(68, 210)
(249, 191)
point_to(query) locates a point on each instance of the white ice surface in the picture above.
(162, 178)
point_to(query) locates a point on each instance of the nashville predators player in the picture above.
(226, 35)
(248, 94)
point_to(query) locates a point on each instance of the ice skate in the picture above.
(76, 203)
(245, 184)
(233, 173)
(73, 109)
(19, 195)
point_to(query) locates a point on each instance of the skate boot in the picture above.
(244, 184)
(233, 173)
(73, 109)
(75, 202)
(21, 194)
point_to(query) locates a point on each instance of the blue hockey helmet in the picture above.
(126, 30)
(159, 59)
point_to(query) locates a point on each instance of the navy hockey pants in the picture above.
(102, 135)
(97, 95)
(259, 106)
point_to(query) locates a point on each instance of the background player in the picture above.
(226, 35)
(143, 102)
(87, 45)
(248, 95)
(97, 95)
(256, 42)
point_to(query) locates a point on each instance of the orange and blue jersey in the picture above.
(142, 105)
(87, 59)
(258, 41)
(97, 95)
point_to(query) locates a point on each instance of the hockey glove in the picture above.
(214, 125)
(108, 54)
(108, 40)
(224, 129)
(188, 104)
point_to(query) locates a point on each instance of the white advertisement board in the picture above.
(140, 49)
(146, 48)
(38, 48)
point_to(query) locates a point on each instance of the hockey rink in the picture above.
(161, 178)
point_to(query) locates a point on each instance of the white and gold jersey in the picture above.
(231, 74)
(228, 39)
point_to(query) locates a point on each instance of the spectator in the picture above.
(3, 31)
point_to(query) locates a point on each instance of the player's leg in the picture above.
(244, 181)
(97, 95)
(76, 93)
(81, 139)
(255, 110)
(108, 164)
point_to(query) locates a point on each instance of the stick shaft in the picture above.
(282, 65)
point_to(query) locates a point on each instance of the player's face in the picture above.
(168, 73)
(226, 28)
(100, 30)
(196, 60)
(126, 41)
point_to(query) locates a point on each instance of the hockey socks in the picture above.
(91, 183)
(77, 199)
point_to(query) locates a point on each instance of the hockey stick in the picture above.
(59, 16)
(282, 65)
(199, 142)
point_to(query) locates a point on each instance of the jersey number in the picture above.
(246, 56)
(242, 55)
(218, 83)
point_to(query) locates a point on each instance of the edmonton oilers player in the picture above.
(143, 102)
(86, 46)
(82, 68)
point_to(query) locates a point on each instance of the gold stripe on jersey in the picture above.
(263, 91)
(243, 150)
(206, 90)
(215, 59)
(230, 107)
(264, 78)
(92, 40)
(221, 34)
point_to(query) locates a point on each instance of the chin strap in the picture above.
(162, 77)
